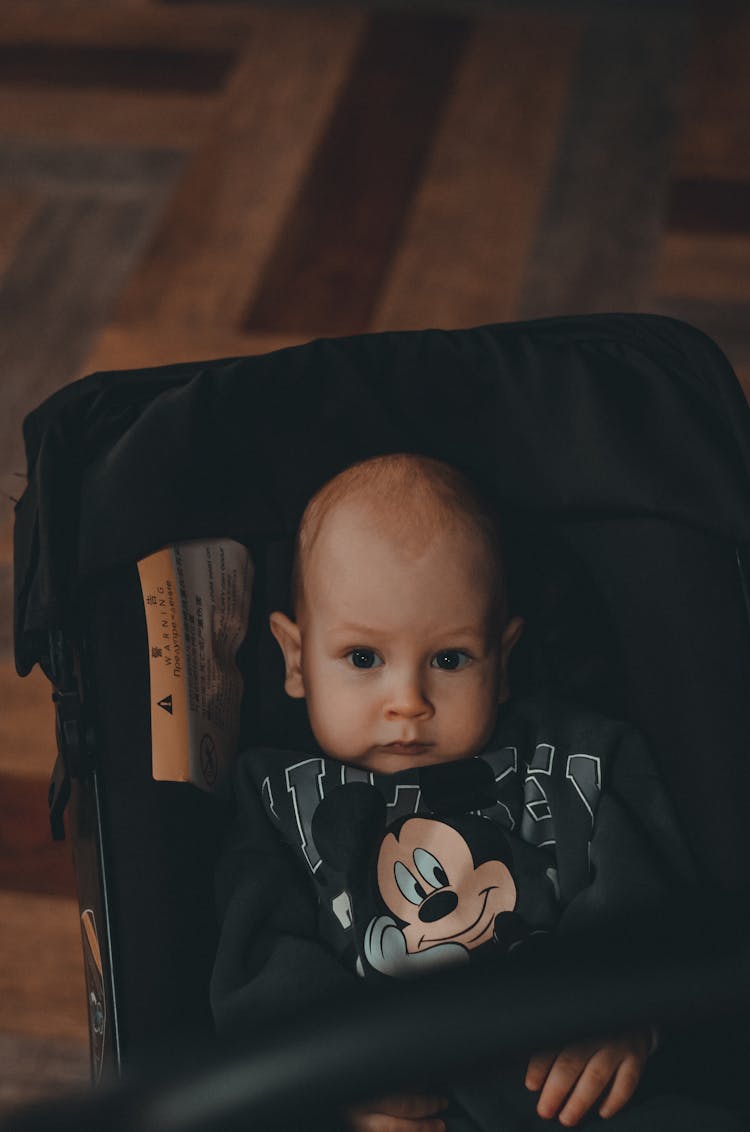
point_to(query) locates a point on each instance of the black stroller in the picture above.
(621, 446)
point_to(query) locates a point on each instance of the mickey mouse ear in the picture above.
(456, 788)
(347, 823)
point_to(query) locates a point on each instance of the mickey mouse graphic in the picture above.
(449, 889)
(443, 886)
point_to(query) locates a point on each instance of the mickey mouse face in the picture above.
(428, 879)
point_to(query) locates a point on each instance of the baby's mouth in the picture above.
(414, 747)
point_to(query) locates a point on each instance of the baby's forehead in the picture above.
(364, 573)
(398, 506)
(403, 535)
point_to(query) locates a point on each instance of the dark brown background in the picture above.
(186, 180)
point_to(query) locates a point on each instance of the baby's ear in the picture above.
(289, 640)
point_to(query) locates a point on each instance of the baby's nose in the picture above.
(407, 699)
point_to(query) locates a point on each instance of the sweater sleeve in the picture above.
(637, 853)
(270, 957)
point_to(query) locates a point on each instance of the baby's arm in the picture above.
(577, 1076)
(270, 960)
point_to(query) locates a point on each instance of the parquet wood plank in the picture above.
(34, 1068)
(714, 140)
(6, 539)
(463, 252)
(100, 66)
(601, 222)
(130, 23)
(30, 861)
(27, 723)
(709, 205)
(328, 266)
(6, 594)
(69, 169)
(17, 207)
(233, 199)
(42, 991)
(707, 267)
(111, 117)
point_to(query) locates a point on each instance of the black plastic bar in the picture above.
(387, 1037)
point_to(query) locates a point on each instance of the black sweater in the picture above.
(332, 870)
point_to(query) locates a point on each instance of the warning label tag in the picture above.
(197, 601)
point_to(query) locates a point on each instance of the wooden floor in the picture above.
(187, 180)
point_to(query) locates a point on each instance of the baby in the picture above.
(401, 640)
(428, 824)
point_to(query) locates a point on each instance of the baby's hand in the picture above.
(399, 1114)
(576, 1076)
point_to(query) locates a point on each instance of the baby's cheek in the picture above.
(471, 724)
(336, 722)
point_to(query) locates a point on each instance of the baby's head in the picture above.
(401, 637)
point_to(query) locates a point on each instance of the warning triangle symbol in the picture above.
(166, 703)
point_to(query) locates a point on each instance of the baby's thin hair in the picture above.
(410, 497)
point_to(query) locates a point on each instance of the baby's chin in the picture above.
(391, 759)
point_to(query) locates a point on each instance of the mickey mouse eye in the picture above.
(408, 884)
(364, 658)
(430, 869)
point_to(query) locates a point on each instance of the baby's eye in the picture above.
(364, 658)
(450, 659)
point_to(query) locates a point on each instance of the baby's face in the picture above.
(396, 654)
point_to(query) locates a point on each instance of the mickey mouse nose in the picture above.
(440, 904)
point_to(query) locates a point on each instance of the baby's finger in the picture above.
(588, 1088)
(624, 1085)
(567, 1068)
(538, 1068)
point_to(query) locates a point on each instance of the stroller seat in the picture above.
(619, 445)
